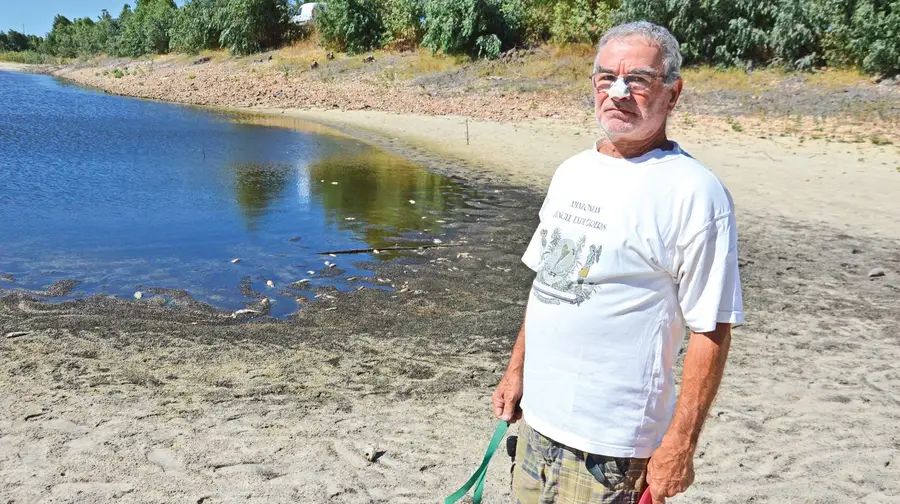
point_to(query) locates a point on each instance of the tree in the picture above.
(248, 26)
(196, 27)
(16, 41)
(351, 25)
(479, 28)
(146, 30)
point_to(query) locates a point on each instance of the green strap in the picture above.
(477, 479)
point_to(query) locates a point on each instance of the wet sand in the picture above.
(124, 401)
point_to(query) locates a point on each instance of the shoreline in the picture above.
(813, 181)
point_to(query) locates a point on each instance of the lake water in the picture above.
(124, 195)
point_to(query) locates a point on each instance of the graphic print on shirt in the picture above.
(562, 274)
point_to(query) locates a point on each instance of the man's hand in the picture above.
(670, 471)
(507, 396)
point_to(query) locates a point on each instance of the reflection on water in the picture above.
(122, 194)
(256, 186)
(381, 197)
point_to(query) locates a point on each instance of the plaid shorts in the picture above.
(547, 472)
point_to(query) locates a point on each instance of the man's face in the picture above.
(642, 113)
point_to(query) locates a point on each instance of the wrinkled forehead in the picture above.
(632, 53)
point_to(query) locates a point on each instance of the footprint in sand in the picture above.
(165, 459)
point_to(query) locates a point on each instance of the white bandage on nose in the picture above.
(619, 89)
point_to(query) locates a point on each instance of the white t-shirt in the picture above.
(628, 253)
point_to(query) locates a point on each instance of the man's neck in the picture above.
(626, 149)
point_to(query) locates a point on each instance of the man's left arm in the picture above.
(671, 469)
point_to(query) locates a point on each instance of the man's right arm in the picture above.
(509, 392)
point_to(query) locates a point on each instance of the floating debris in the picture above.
(350, 218)
(437, 241)
(138, 295)
(332, 255)
(270, 284)
(376, 251)
(328, 263)
(236, 260)
(245, 311)
(334, 183)
(412, 202)
(310, 272)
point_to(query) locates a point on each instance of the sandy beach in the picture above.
(123, 401)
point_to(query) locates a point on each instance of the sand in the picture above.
(118, 401)
(15, 67)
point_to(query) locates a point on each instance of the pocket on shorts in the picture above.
(617, 473)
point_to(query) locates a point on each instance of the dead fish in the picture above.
(245, 311)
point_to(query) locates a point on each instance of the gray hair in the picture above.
(653, 33)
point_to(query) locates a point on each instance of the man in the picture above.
(637, 241)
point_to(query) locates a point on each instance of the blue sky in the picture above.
(37, 15)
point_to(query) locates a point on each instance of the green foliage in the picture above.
(196, 27)
(146, 30)
(479, 28)
(351, 25)
(249, 26)
(403, 22)
(28, 57)
(581, 21)
(801, 34)
(16, 41)
(796, 33)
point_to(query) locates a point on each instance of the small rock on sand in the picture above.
(877, 272)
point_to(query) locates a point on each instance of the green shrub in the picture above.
(580, 21)
(479, 28)
(403, 23)
(796, 33)
(249, 26)
(28, 57)
(196, 27)
(146, 30)
(353, 26)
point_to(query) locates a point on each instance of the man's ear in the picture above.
(676, 88)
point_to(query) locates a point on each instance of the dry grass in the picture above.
(708, 79)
